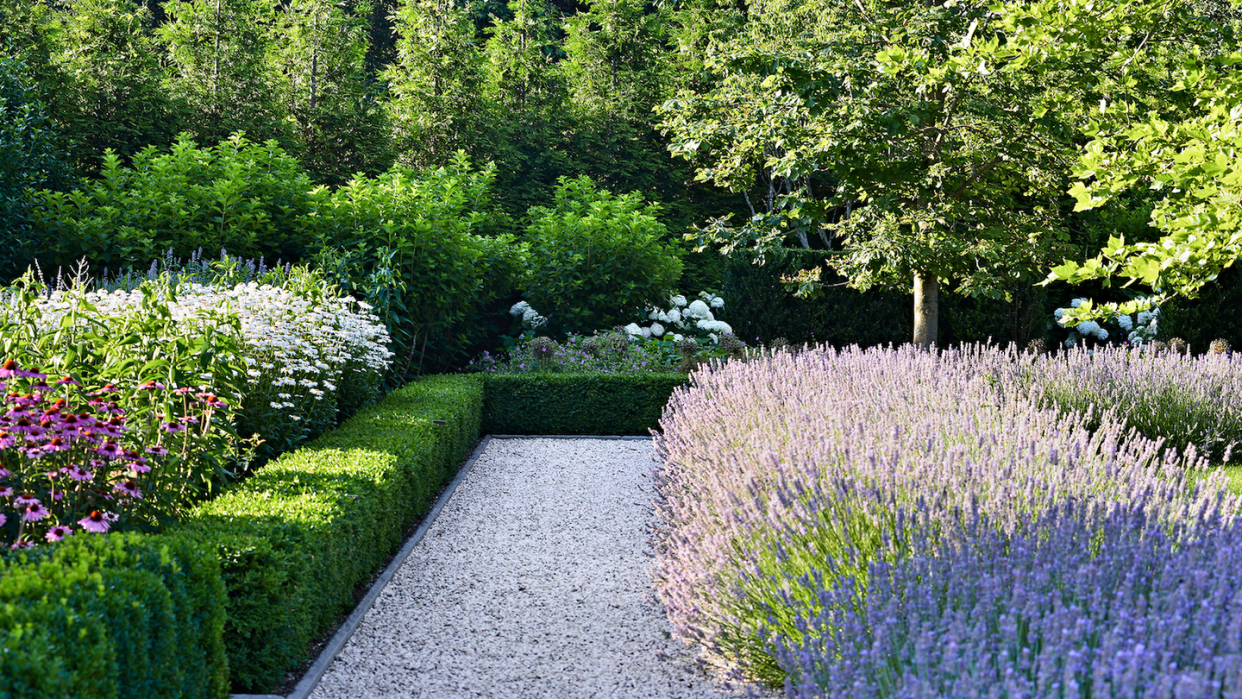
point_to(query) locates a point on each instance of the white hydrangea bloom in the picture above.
(654, 315)
(1126, 323)
(633, 329)
(646, 333)
(1144, 317)
(698, 309)
(657, 329)
(529, 314)
(677, 338)
(715, 326)
(678, 301)
(519, 309)
(718, 302)
(1076, 303)
(674, 316)
(714, 338)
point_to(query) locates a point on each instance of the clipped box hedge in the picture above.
(297, 538)
(545, 403)
(123, 615)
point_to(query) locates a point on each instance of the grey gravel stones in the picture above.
(535, 581)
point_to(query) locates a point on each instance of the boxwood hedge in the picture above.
(297, 538)
(546, 403)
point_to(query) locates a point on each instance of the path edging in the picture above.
(319, 668)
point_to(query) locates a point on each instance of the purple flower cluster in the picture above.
(1183, 399)
(793, 473)
(71, 462)
(1089, 600)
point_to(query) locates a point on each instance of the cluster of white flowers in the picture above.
(684, 316)
(289, 340)
(1138, 330)
(529, 316)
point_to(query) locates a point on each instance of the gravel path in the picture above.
(535, 581)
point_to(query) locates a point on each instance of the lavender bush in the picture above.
(1183, 399)
(793, 467)
(1090, 600)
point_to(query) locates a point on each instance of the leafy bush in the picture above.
(127, 616)
(597, 258)
(544, 403)
(247, 198)
(72, 461)
(789, 474)
(407, 243)
(1179, 398)
(299, 536)
(1097, 600)
(30, 158)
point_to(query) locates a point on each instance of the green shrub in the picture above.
(545, 403)
(30, 158)
(597, 258)
(113, 616)
(408, 243)
(247, 198)
(298, 537)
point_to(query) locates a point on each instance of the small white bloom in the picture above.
(633, 329)
(678, 301)
(674, 316)
(657, 329)
(713, 337)
(519, 309)
(1144, 317)
(654, 315)
(718, 302)
(677, 338)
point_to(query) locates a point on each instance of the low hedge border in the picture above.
(125, 615)
(576, 404)
(298, 537)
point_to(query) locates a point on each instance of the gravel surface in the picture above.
(535, 581)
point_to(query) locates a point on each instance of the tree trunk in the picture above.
(926, 310)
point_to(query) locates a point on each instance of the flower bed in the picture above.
(791, 476)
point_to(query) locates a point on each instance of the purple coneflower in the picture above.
(25, 499)
(174, 427)
(151, 386)
(129, 488)
(10, 369)
(108, 450)
(58, 532)
(56, 444)
(35, 512)
(95, 522)
(78, 473)
(6, 492)
(157, 450)
(66, 381)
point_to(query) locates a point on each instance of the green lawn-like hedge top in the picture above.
(236, 594)
(547, 403)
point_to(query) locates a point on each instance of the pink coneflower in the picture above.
(10, 369)
(55, 444)
(109, 388)
(25, 426)
(78, 473)
(58, 532)
(35, 512)
(138, 467)
(66, 381)
(21, 545)
(157, 451)
(96, 522)
(183, 390)
(174, 427)
(58, 495)
(212, 400)
(6, 492)
(152, 386)
(189, 420)
(3, 519)
(32, 452)
(25, 500)
(4, 473)
(108, 450)
(129, 488)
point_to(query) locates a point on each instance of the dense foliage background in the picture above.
(309, 129)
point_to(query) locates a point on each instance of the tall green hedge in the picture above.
(758, 306)
(113, 616)
(544, 403)
(298, 537)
